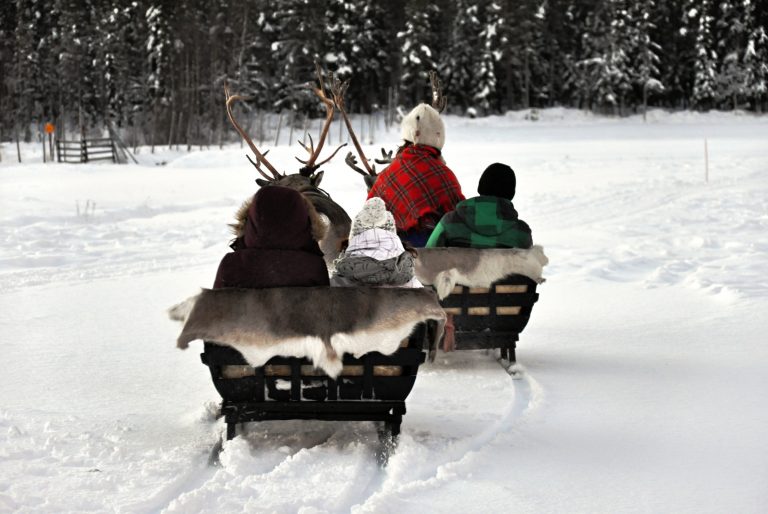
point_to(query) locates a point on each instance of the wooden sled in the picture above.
(491, 317)
(373, 387)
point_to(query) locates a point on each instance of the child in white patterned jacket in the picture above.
(375, 255)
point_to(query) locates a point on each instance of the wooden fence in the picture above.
(86, 150)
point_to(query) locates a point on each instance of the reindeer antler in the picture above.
(231, 99)
(314, 153)
(369, 174)
(438, 100)
(386, 157)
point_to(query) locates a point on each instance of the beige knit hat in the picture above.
(374, 214)
(423, 126)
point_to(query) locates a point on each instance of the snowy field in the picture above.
(645, 385)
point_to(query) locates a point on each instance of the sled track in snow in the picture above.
(230, 475)
(344, 450)
(528, 394)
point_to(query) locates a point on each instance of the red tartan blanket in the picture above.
(417, 183)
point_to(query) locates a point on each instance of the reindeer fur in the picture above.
(443, 268)
(320, 323)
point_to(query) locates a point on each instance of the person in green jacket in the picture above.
(486, 221)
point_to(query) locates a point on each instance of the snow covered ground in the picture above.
(645, 387)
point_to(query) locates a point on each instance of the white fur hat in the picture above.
(423, 126)
(373, 215)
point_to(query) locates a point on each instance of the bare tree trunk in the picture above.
(249, 122)
(170, 130)
(510, 85)
(645, 102)
(240, 60)
(154, 126)
(220, 131)
(18, 147)
(279, 123)
(179, 124)
(527, 82)
(261, 127)
(370, 129)
(291, 118)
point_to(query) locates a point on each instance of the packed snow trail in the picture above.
(271, 459)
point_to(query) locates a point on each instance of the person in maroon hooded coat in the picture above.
(276, 243)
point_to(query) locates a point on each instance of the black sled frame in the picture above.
(371, 388)
(487, 318)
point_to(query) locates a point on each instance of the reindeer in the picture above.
(307, 180)
(439, 101)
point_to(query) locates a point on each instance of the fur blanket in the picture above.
(320, 323)
(443, 268)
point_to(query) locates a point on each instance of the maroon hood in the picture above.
(279, 219)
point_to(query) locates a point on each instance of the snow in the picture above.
(644, 384)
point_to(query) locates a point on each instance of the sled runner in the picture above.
(491, 317)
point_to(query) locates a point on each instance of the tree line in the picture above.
(157, 68)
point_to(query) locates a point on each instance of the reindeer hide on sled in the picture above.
(320, 323)
(443, 268)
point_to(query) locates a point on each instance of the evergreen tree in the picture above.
(8, 83)
(341, 24)
(359, 43)
(297, 30)
(419, 50)
(371, 55)
(733, 28)
(645, 51)
(704, 70)
(34, 63)
(468, 69)
(255, 66)
(756, 61)
(672, 30)
(564, 48)
(484, 95)
(159, 46)
(124, 63)
(522, 50)
(80, 55)
(607, 73)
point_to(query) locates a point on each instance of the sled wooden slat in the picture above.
(508, 288)
(508, 311)
(486, 318)
(277, 370)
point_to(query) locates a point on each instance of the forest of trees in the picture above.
(157, 67)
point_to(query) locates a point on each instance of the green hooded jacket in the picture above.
(482, 222)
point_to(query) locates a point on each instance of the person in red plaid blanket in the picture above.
(417, 187)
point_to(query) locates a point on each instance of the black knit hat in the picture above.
(497, 180)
